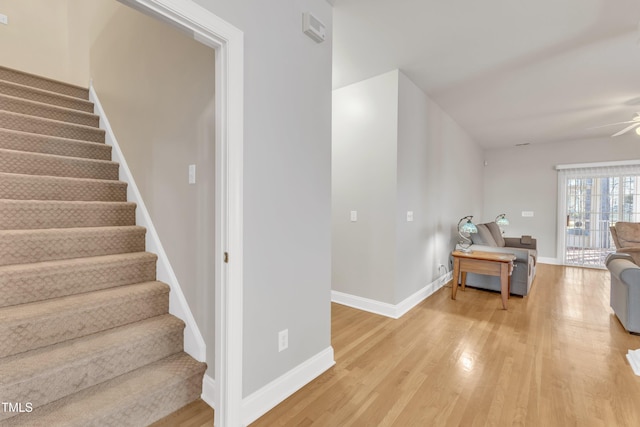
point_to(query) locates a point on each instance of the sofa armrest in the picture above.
(617, 255)
(625, 270)
(514, 242)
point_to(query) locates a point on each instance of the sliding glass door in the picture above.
(593, 199)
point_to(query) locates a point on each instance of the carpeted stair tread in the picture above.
(26, 327)
(22, 162)
(45, 144)
(40, 214)
(138, 398)
(27, 79)
(45, 96)
(47, 374)
(47, 111)
(42, 126)
(26, 246)
(35, 187)
(26, 163)
(25, 283)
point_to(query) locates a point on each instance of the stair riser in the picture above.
(18, 215)
(28, 142)
(31, 108)
(37, 95)
(25, 187)
(23, 247)
(41, 126)
(156, 405)
(20, 162)
(31, 283)
(41, 331)
(96, 368)
(137, 399)
(42, 83)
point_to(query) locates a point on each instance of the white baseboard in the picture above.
(209, 391)
(262, 401)
(390, 310)
(552, 261)
(364, 304)
(403, 307)
(194, 344)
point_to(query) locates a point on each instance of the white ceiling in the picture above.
(508, 71)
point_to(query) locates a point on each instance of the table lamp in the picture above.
(501, 220)
(465, 228)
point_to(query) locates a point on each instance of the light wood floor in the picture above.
(196, 414)
(555, 358)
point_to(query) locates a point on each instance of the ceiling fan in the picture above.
(635, 123)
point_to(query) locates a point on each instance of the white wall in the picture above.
(287, 184)
(364, 151)
(36, 39)
(524, 179)
(156, 85)
(440, 178)
(395, 150)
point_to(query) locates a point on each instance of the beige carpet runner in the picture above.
(85, 334)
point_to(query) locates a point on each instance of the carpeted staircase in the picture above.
(85, 334)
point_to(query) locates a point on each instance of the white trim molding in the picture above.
(548, 260)
(194, 344)
(390, 310)
(364, 304)
(209, 391)
(263, 400)
(228, 43)
(598, 164)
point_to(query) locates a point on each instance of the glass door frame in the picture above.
(585, 170)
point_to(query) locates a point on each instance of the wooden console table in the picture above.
(489, 263)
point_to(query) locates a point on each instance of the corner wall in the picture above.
(394, 151)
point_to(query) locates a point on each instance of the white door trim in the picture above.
(561, 221)
(228, 43)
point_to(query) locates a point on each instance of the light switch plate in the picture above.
(354, 216)
(527, 213)
(409, 216)
(283, 340)
(4, 19)
(192, 174)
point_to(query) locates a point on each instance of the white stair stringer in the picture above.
(194, 343)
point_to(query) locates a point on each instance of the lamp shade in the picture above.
(502, 219)
(468, 227)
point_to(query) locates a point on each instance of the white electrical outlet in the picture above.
(192, 174)
(354, 216)
(4, 19)
(283, 340)
(409, 216)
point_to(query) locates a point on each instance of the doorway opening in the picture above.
(228, 44)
